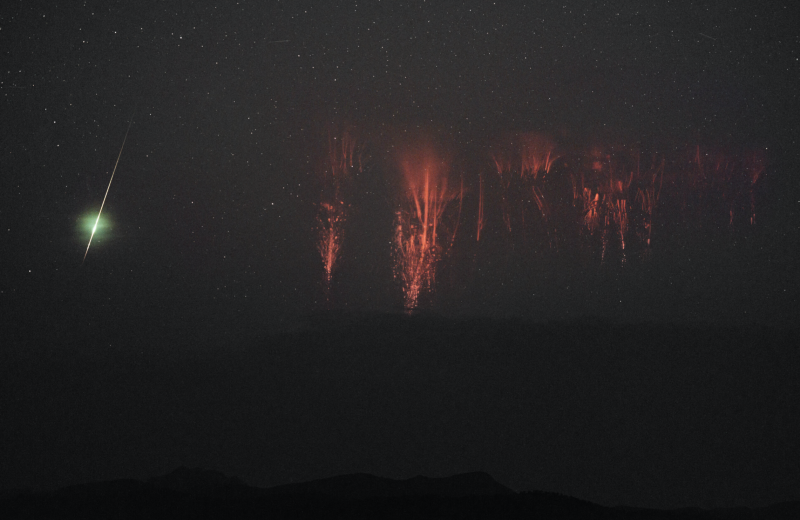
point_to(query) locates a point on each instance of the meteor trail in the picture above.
(108, 188)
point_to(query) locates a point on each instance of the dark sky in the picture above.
(208, 242)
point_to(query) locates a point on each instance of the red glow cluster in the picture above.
(533, 190)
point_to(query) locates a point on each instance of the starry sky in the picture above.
(207, 239)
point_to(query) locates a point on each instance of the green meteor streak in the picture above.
(94, 228)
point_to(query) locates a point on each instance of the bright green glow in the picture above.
(88, 225)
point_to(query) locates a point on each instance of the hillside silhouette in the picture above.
(635, 414)
(362, 486)
(197, 493)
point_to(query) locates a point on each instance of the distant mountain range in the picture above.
(363, 486)
(197, 493)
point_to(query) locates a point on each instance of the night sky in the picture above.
(160, 348)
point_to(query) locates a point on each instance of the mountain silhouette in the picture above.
(195, 480)
(197, 493)
(361, 486)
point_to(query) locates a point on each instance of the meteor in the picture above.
(481, 218)
(94, 228)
